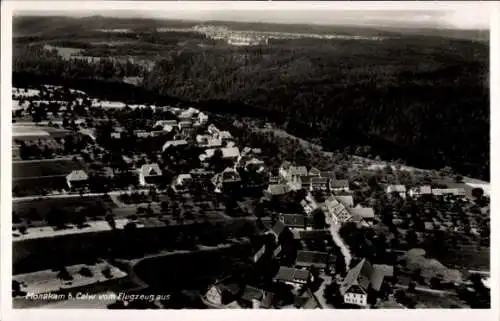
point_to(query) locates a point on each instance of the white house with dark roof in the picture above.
(77, 179)
(174, 143)
(354, 288)
(149, 174)
(341, 185)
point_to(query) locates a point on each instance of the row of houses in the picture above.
(417, 191)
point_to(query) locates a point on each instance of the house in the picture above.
(212, 130)
(319, 183)
(399, 189)
(257, 151)
(420, 190)
(354, 288)
(293, 220)
(77, 179)
(336, 212)
(277, 189)
(346, 200)
(278, 229)
(284, 169)
(297, 171)
(311, 234)
(226, 179)
(255, 165)
(274, 179)
(339, 185)
(448, 191)
(169, 122)
(182, 182)
(258, 255)
(314, 172)
(305, 181)
(149, 174)
(232, 153)
(328, 174)
(207, 141)
(307, 301)
(174, 143)
(202, 118)
(295, 183)
(222, 294)
(293, 276)
(223, 135)
(309, 259)
(185, 124)
(366, 213)
(251, 297)
(201, 174)
(116, 135)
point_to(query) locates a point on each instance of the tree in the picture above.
(459, 179)
(111, 221)
(64, 274)
(85, 271)
(477, 193)
(319, 221)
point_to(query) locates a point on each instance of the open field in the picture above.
(47, 281)
(94, 204)
(27, 132)
(49, 167)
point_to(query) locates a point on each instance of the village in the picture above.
(84, 166)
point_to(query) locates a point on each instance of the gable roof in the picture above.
(227, 152)
(292, 275)
(346, 200)
(150, 170)
(339, 183)
(328, 174)
(359, 275)
(319, 180)
(311, 234)
(251, 293)
(396, 188)
(380, 271)
(77, 175)
(293, 220)
(314, 172)
(174, 143)
(298, 170)
(363, 212)
(278, 189)
(278, 228)
(308, 258)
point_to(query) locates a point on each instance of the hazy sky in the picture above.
(462, 15)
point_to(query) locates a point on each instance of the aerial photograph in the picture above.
(171, 158)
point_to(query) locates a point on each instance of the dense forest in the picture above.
(424, 100)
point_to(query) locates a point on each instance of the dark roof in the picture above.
(278, 228)
(231, 288)
(363, 212)
(306, 179)
(342, 183)
(278, 189)
(308, 258)
(319, 180)
(360, 274)
(251, 293)
(379, 272)
(329, 174)
(293, 220)
(311, 234)
(290, 274)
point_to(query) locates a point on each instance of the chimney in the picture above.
(255, 304)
